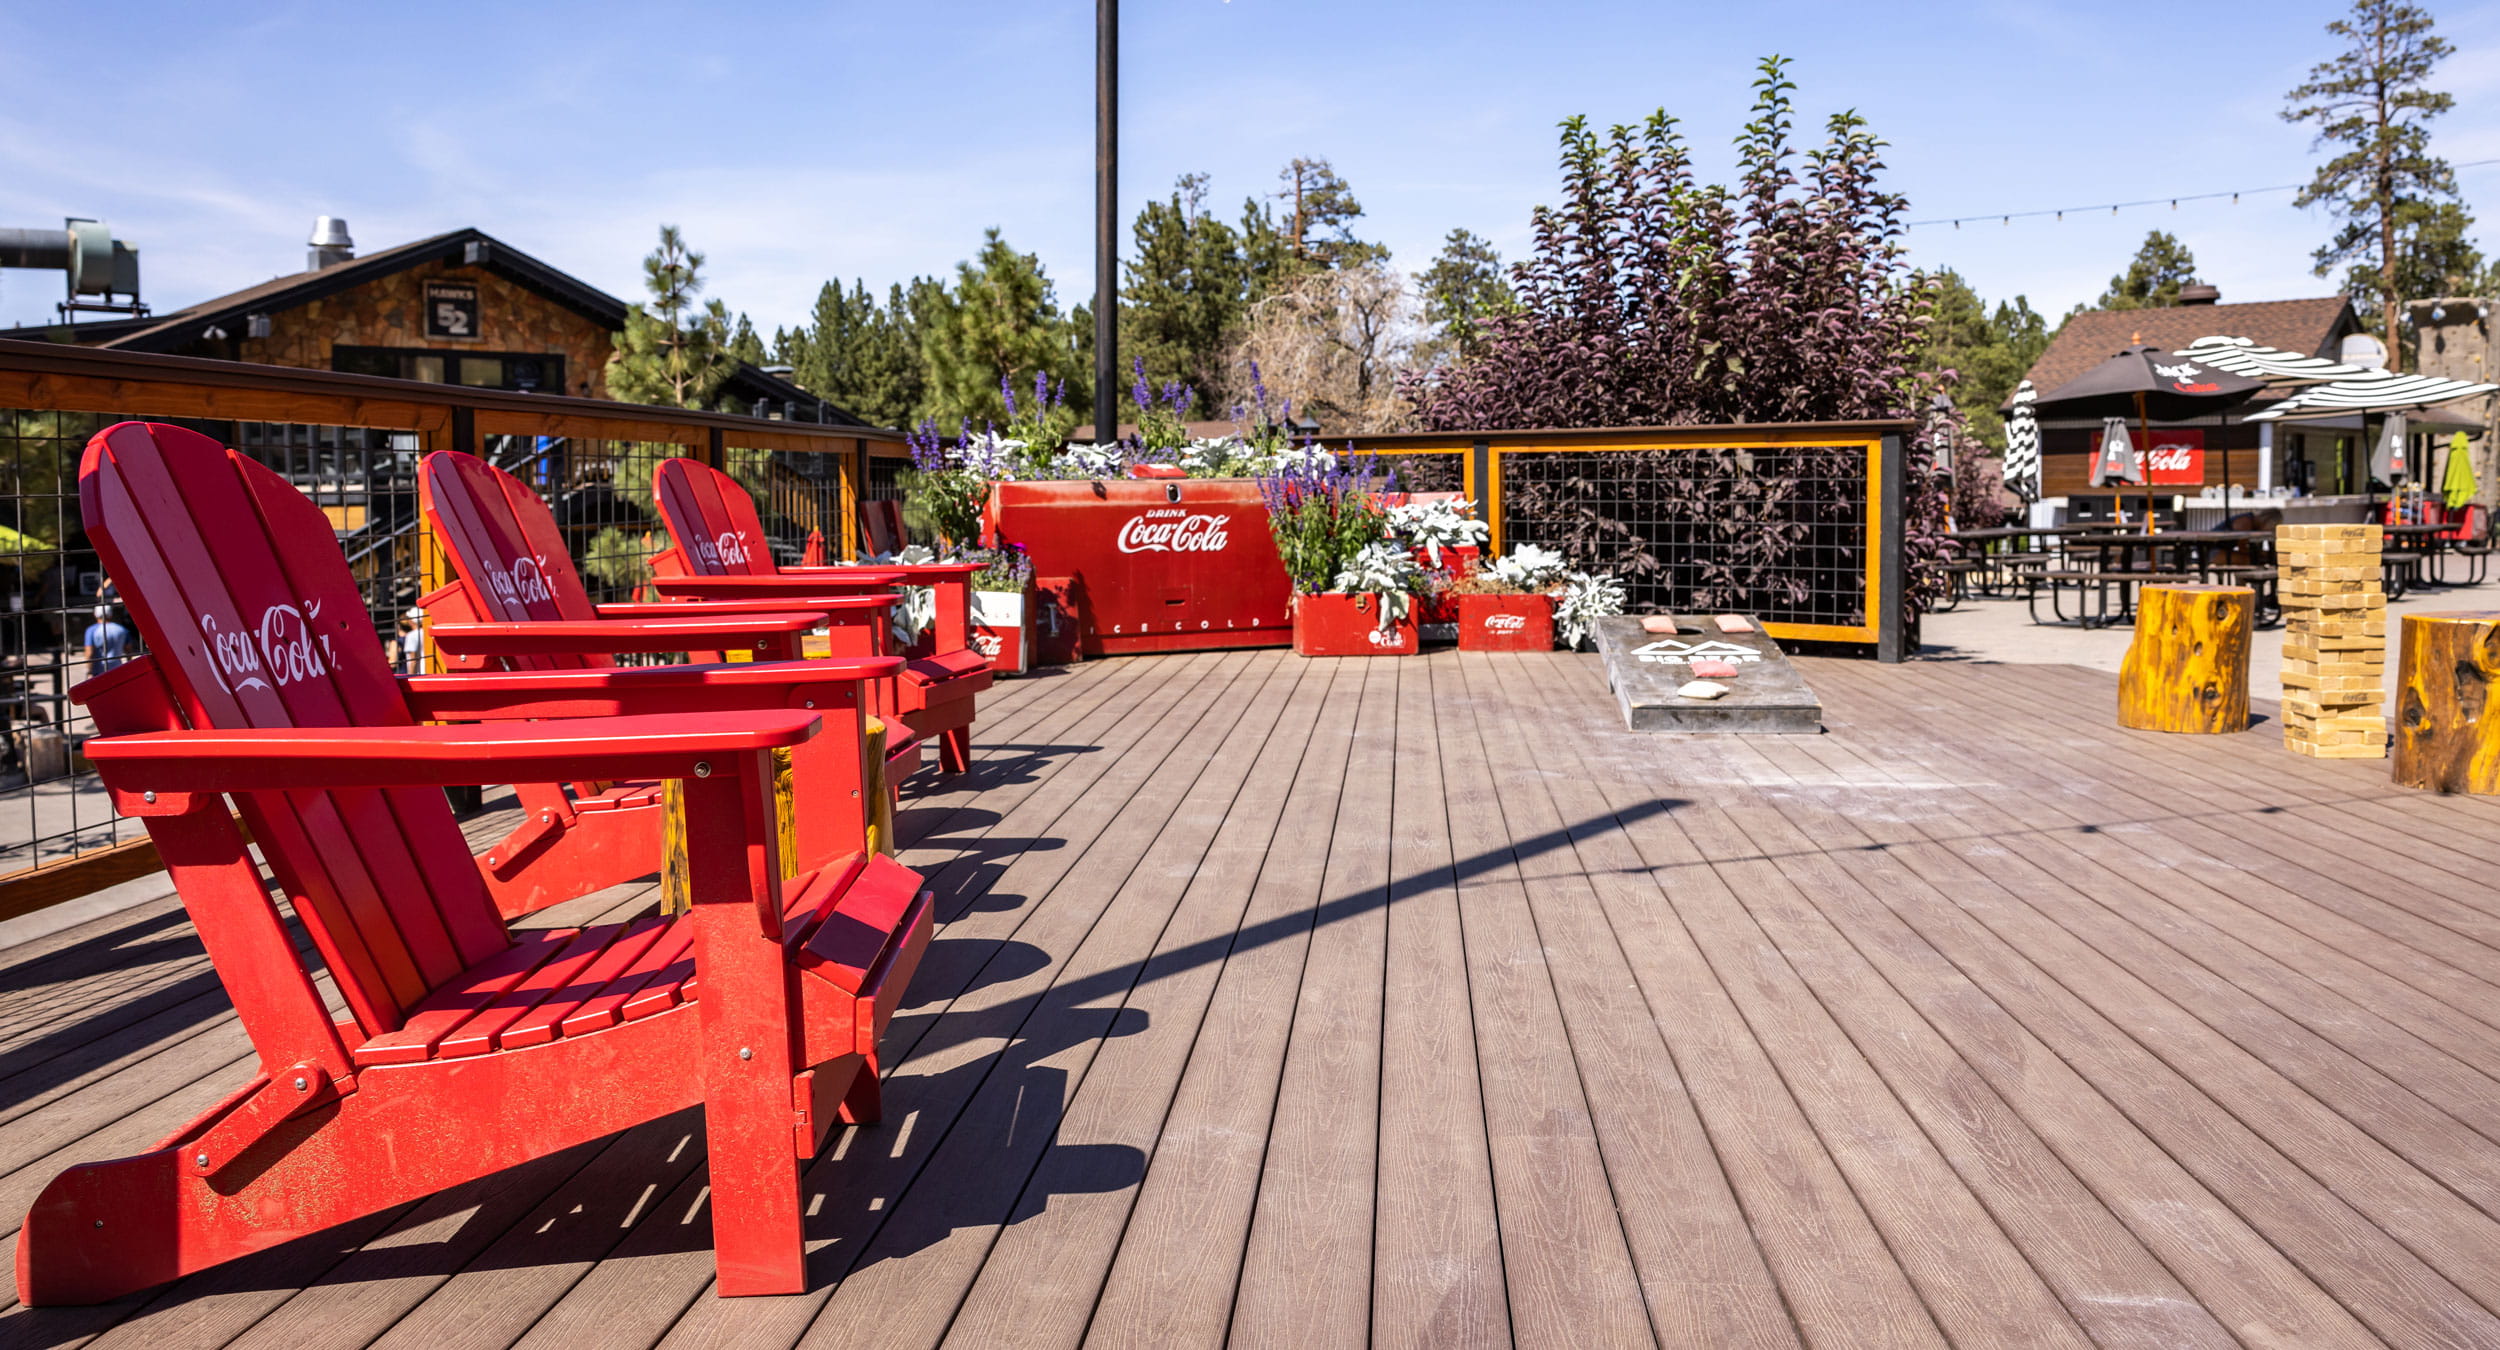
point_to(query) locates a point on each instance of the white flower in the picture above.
(1307, 458)
(1529, 568)
(1093, 461)
(1586, 599)
(1436, 525)
(1214, 456)
(990, 455)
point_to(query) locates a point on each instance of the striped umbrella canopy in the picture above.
(2382, 392)
(2022, 443)
(2246, 356)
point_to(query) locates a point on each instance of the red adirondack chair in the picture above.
(466, 1049)
(721, 554)
(515, 574)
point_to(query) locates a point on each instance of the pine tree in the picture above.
(1187, 289)
(2435, 256)
(2153, 277)
(745, 345)
(672, 351)
(1320, 214)
(1463, 288)
(2372, 99)
(1000, 322)
(1987, 351)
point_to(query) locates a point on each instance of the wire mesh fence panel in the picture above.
(65, 620)
(1417, 471)
(599, 492)
(1781, 532)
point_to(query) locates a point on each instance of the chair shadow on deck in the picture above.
(872, 1196)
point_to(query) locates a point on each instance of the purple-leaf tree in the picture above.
(1650, 298)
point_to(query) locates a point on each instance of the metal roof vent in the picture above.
(2198, 293)
(330, 244)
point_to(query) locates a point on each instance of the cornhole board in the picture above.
(1768, 697)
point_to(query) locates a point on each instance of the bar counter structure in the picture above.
(2334, 640)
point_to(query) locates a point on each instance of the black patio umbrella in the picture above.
(2148, 382)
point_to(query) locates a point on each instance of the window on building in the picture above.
(527, 372)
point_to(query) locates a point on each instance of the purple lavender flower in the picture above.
(1007, 391)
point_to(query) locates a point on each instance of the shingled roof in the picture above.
(2309, 327)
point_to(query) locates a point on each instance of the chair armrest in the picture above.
(916, 574)
(801, 589)
(630, 691)
(679, 745)
(838, 608)
(694, 632)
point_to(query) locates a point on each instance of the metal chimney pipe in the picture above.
(330, 244)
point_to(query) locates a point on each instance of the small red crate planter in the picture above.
(1337, 624)
(1505, 623)
(1002, 628)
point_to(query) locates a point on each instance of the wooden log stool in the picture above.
(2445, 671)
(2187, 669)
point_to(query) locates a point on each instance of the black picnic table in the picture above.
(2106, 566)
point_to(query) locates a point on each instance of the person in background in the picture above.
(412, 641)
(107, 643)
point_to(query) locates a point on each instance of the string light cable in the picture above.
(2061, 212)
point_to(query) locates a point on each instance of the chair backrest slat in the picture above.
(713, 520)
(505, 545)
(235, 581)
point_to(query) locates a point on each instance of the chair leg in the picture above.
(748, 1070)
(864, 1104)
(955, 750)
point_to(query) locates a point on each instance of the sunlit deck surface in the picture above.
(1292, 1002)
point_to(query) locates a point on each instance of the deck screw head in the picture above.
(147, 797)
(746, 1052)
(702, 769)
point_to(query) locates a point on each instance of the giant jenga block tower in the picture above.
(2334, 640)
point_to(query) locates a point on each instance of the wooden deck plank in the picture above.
(1701, 1274)
(1022, 931)
(1043, 1273)
(1566, 1260)
(1307, 1270)
(1042, 1277)
(1841, 1282)
(1971, 1274)
(1437, 1256)
(2387, 1284)
(1291, 1002)
(1114, 913)
(1173, 1279)
(2366, 1065)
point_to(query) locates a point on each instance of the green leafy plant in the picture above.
(1322, 516)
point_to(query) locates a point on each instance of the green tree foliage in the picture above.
(1463, 288)
(2153, 277)
(1187, 289)
(672, 350)
(1319, 216)
(862, 356)
(999, 322)
(2435, 255)
(2373, 101)
(1986, 350)
(745, 345)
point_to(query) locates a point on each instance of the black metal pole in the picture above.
(1106, 219)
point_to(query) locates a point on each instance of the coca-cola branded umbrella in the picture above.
(2148, 383)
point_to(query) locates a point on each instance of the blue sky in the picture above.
(796, 142)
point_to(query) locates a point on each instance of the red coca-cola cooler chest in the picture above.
(1147, 565)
